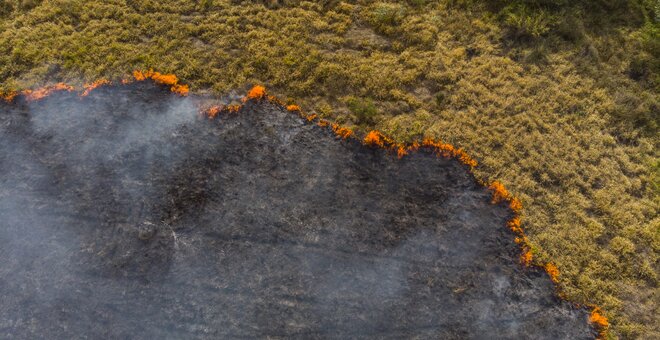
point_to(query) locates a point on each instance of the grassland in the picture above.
(561, 106)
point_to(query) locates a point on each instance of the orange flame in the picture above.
(464, 158)
(293, 107)
(600, 321)
(90, 87)
(139, 75)
(213, 111)
(341, 131)
(9, 96)
(233, 108)
(514, 225)
(43, 92)
(401, 151)
(526, 258)
(499, 192)
(181, 90)
(374, 138)
(166, 79)
(553, 272)
(275, 100)
(257, 92)
(162, 78)
(522, 240)
(516, 205)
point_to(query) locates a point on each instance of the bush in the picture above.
(364, 110)
(526, 23)
(6, 8)
(385, 17)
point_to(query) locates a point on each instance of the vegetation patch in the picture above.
(557, 100)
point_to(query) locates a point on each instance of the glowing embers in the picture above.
(214, 111)
(8, 96)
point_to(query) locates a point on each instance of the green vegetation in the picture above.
(557, 99)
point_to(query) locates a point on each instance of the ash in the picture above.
(125, 215)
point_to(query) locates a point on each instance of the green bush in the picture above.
(526, 23)
(385, 17)
(364, 110)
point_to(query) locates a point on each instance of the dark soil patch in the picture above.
(125, 215)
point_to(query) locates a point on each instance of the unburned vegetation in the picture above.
(557, 100)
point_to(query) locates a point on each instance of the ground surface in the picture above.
(567, 119)
(127, 215)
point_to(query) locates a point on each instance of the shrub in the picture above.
(364, 110)
(6, 8)
(526, 23)
(385, 17)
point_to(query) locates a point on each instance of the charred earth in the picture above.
(124, 214)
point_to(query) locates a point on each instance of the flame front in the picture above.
(163, 78)
(91, 87)
(40, 93)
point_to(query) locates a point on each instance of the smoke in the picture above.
(125, 215)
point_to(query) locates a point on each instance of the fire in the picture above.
(522, 240)
(181, 90)
(163, 78)
(600, 321)
(401, 151)
(341, 131)
(166, 79)
(234, 108)
(43, 92)
(499, 192)
(515, 205)
(526, 258)
(257, 92)
(514, 225)
(464, 158)
(9, 96)
(552, 270)
(293, 108)
(213, 111)
(90, 87)
(374, 138)
(275, 100)
(160, 78)
(139, 75)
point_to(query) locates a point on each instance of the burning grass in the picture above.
(165, 79)
(201, 165)
(373, 138)
(540, 117)
(500, 194)
(45, 91)
(91, 87)
(600, 321)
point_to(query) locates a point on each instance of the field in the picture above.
(558, 102)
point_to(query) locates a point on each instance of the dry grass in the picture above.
(549, 130)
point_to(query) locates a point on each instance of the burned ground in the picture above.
(126, 215)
